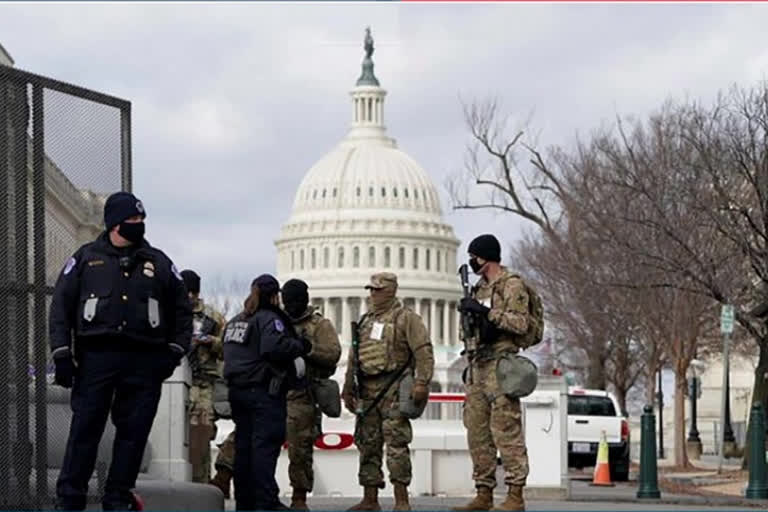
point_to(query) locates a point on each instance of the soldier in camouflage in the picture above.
(204, 360)
(493, 419)
(304, 417)
(391, 338)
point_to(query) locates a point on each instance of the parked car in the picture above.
(590, 412)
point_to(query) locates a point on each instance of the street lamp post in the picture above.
(729, 440)
(694, 441)
(661, 419)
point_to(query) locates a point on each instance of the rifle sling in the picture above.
(386, 389)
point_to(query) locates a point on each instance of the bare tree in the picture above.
(225, 294)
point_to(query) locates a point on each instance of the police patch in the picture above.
(279, 327)
(176, 272)
(70, 265)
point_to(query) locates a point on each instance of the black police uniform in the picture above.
(132, 322)
(259, 354)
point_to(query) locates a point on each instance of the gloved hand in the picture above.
(469, 305)
(173, 359)
(307, 345)
(350, 402)
(420, 394)
(65, 369)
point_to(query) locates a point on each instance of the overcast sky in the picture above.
(233, 103)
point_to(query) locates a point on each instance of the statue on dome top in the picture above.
(368, 43)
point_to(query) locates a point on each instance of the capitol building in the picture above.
(368, 207)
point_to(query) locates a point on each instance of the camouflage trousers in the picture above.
(226, 457)
(494, 421)
(383, 426)
(202, 428)
(302, 428)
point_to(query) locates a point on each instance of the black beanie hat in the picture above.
(268, 286)
(486, 247)
(295, 292)
(191, 280)
(121, 206)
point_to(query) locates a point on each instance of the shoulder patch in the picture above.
(279, 327)
(71, 262)
(176, 272)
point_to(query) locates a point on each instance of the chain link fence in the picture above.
(63, 149)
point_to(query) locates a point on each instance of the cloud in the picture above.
(233, 102)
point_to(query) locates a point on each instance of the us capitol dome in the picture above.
(368, 207)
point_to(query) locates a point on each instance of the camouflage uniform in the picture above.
(304, 417)
(205, 363)
(493, 420)
(226, 456)
(389, 336)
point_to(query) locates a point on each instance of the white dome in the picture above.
(368, 207)
(367, 173)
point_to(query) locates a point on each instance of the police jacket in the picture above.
(132, 298)
(261, 347)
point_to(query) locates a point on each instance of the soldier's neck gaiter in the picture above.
(383, 302)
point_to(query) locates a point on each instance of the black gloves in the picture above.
(468, 305)
(65, 369)
(306, 344)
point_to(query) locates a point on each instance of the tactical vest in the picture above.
(499, 341)
(383, 346)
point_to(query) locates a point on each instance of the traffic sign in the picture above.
(726, 319)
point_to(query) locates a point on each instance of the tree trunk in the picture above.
(681, 454)
(650, 387)
(596, 374)
(759, 390)
(621, 397)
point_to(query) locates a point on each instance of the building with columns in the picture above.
(368, 207)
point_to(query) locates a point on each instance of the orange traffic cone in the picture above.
(602, 474)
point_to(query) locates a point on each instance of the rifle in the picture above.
(203, 329)
(357, 374)
(468, 323)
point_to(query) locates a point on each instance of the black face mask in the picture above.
(133, 232)
(475, 265)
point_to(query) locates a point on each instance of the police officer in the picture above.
(492, 418)
(125, 305)
(262, 359)
(304, 416)
(393, 343)
(204, 357)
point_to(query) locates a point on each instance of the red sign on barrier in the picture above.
(334, 441)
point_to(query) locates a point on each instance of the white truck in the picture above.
(590, 412)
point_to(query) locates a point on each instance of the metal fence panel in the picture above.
(63, 149)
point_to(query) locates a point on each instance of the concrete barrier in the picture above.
(440, 457)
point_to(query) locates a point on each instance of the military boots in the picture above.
(401, 498)
(299, 500)
(483, 501)
(514, 500)
(222, 479)
(370, 500)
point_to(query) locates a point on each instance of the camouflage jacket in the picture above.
(387, 340)
(205, 358)
(326, 349)
(508, 299)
